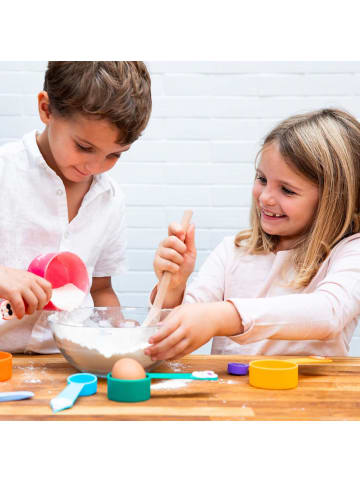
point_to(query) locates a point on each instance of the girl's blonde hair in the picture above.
(324, 147)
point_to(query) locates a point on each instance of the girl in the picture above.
(290, 285)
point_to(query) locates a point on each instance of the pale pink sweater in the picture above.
(317, 320)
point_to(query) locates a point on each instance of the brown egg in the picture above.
(128, 369)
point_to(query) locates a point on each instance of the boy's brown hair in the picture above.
(117, 91)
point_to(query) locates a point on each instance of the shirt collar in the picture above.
(33, 152)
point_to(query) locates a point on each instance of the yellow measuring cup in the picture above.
(279, 374)
(274, 374)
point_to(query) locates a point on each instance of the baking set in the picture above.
(275, 374)
(66, 268)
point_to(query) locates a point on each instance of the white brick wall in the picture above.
(198, 150)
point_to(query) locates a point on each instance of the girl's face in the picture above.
(286, 200)
(79, 147)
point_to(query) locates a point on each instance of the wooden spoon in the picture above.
(153, 316)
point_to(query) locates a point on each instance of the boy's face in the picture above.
(79, 147)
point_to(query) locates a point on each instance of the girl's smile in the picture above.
(268, 215)
(285, 199)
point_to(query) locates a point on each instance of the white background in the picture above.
(199, 148)
(186, 30)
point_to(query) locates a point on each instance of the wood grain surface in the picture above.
(330, 392)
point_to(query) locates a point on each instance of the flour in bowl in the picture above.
(95, 349)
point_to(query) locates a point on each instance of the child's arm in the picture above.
(25, 291)
(176, 254)
(102, 292)
(190, 326)
(331, 302)
(328, 310)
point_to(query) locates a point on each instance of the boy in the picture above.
(55, 195)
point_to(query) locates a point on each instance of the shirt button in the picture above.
(59, 192)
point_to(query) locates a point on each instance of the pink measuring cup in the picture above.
(60, 269)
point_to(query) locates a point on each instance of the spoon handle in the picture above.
(154, 313)
(310, 360)
(166, 277)
(67, 397)
(184, 376)
(10, 396)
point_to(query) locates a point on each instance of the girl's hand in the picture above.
(177, 254)
(190, 326)
(25, 291)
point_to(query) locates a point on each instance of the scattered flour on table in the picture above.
(67, 297)
(170, 384)
(32, 380)
(221, 380)
(28, 376)
(176, 366)
(29, 367)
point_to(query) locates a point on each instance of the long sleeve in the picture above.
(331, 302)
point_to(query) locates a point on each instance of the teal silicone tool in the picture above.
(205, 375)
(80, 384)
(139, 390)
(10, 396)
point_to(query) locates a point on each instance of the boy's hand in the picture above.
(176, 254)
(190, 326)
(25, 291)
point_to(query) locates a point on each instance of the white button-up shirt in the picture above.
(34, 220)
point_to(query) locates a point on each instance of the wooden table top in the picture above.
(330, 392)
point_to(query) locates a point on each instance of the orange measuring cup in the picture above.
(5, 366)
